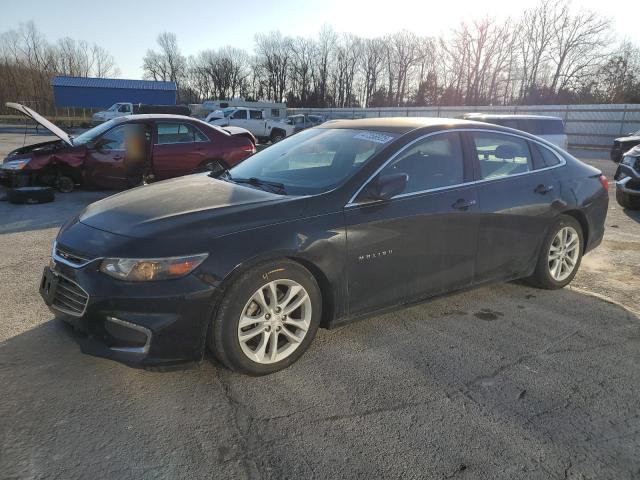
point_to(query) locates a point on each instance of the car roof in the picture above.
(153, 116)
(399, 124)
(507, 117)
(165, 116)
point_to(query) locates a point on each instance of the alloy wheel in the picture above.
(564, 253)
(274, 321)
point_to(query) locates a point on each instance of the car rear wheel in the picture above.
(277, 135)
(266, 319)
(560, 255)
(627, 201)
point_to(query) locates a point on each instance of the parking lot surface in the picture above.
(502, 382)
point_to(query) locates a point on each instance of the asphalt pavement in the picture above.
(502, 382)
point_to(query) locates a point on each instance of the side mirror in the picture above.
(387, 186)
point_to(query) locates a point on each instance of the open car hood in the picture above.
(57, 131)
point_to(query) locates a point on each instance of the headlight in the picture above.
(149, 269)
(15, 164)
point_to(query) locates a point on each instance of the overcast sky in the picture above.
(127, 28)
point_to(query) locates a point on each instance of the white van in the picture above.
(550, 129)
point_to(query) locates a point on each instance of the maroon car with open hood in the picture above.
(123, 152)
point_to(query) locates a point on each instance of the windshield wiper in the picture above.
(274, 187)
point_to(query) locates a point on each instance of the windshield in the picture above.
(313, 161)
(93, 133)
(228, 111)
(113, 107)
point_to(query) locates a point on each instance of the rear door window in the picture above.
(179, 133)
(541, 126)
(501, 155)
(239, 115)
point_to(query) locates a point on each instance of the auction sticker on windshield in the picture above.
(373, 137)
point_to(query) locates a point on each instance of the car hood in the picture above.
(197, 204)
(57, 131)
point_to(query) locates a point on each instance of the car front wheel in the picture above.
(266, 319)
(560, 255)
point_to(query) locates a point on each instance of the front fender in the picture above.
(318, 243)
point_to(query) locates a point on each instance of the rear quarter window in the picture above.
(541, 126)
(542, 156)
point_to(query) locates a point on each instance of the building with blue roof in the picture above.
(85, 92)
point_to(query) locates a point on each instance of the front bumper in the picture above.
(628, 179)
(144, 324)
(14, 178)
(616, 153)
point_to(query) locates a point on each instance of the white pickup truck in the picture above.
(121, 109)
(254, 121)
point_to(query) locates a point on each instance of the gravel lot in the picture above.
(502, 382)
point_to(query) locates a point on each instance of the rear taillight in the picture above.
(604, 182)
(250, 148)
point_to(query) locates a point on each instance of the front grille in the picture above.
(71, 258)
(69, 297)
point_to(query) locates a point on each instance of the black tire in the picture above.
(30, 195)
(215, 167)
(628, 201)
(277, 135)
(541, 277)
(65, 184)
(223, 333)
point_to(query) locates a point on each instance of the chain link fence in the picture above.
(68, 117)
(587, 126)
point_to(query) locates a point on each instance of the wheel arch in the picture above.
(581, 218)
(328, 302)
(328, 297)
(276, 130)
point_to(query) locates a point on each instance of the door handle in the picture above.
(462, 204)
(542, 189)
(117, 157)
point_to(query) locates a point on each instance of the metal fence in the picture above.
(587, 126)
(63, 116)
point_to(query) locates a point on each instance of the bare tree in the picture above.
(168, 64)
(28, 63)
(371, 64)
(275, 52)
(578, 40)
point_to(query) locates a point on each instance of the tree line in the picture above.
(28, 62)
(551, 53)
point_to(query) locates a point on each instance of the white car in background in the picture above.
(550, 129)
(253, 120)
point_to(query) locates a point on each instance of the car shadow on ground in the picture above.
(22, 218)
(632, 214)
(502, 382)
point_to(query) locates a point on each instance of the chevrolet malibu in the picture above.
(341, 221)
